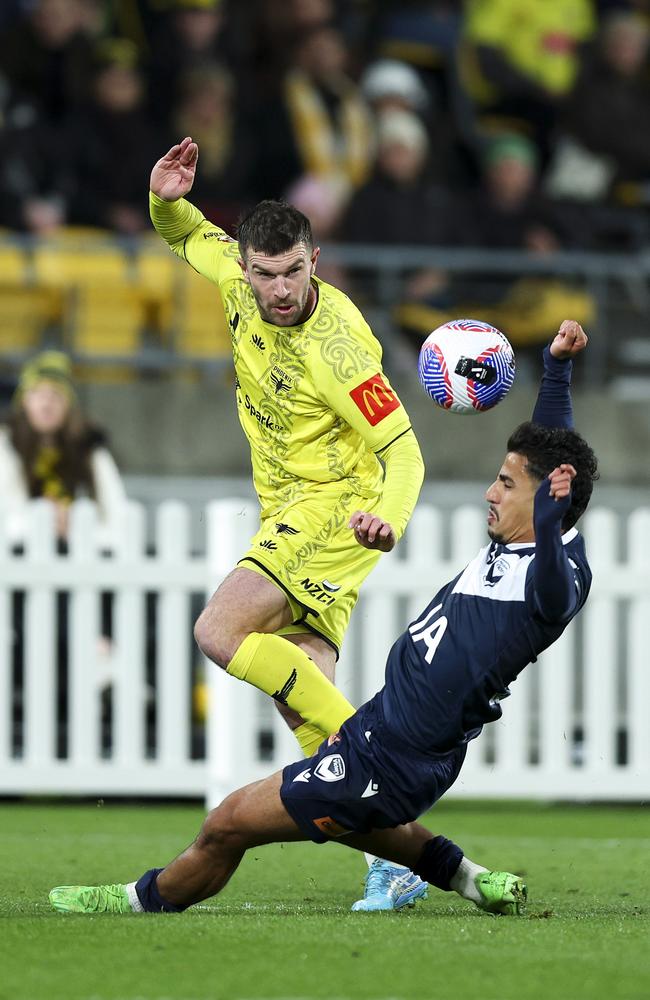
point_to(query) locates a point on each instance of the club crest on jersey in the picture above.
(499, 567)
(375, 399)
(280, 381)
(330, 768)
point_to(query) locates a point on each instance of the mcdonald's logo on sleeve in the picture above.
(375, 399)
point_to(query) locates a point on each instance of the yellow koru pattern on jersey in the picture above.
(312, 399)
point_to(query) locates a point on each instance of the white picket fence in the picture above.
(576, 726)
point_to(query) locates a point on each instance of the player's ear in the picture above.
(242, 264)
(315, 254)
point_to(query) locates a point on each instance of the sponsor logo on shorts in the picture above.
(286, 688)
(330, 768)
(375, 399)
(317, 591)
(257, 342)
(280, 381)
(268, 544)
(330, 827)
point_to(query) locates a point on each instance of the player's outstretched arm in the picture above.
(173, 175)
(553, 407)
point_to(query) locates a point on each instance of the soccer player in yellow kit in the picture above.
(336, 465)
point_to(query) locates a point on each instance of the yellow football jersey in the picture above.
(313, 400)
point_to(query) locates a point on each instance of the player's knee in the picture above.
(220, 831)
(213, 639)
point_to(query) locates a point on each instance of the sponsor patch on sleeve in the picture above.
(375, 399)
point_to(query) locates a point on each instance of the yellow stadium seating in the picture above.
(156, 274)
(13, 264)
(24, 313)
(200, 325)
(106, 321)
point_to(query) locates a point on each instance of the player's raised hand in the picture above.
(372, 532)
(569, 340)
(173, 175)
(560, 481)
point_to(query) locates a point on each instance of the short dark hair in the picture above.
(544, 448)
(273, 227)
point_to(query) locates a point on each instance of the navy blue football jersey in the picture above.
(448, 672)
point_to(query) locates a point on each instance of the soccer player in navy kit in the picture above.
(446, 676)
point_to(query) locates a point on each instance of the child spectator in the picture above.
(49, 449)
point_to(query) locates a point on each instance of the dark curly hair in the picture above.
(544, 448)
(273, 227)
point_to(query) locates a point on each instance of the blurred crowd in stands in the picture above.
(521, 124)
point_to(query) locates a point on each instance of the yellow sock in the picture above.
(310, 738)
(283, 670)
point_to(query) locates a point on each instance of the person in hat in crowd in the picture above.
(49, 449)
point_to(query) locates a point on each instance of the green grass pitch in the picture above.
(282, 928)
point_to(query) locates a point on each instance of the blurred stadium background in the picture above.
(456, 158)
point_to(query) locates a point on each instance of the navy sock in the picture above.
(152, 901)
(439, 862)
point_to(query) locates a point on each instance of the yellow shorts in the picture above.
(310, 553)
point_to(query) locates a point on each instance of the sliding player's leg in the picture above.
(253, 816)
(441, 863)
(250, 817)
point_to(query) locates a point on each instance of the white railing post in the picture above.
(83, 713)
(40, 688)
(638, 690)
(174, 635)
(600, 650)
(6, 651)
(128, 643)
(229, 733)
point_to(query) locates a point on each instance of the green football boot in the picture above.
(501, 892)
(90, 899)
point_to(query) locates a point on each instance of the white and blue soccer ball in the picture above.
(466, 366)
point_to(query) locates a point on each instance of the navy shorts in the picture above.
(363, 779)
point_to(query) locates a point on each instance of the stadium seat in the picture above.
(63, 264)
(13, 263)
(156, 273)
(106, 321)
(200, 327)
(25, 312)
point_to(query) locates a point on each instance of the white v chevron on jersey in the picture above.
(372, 788)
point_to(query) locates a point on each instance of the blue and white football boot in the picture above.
(390, 887)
